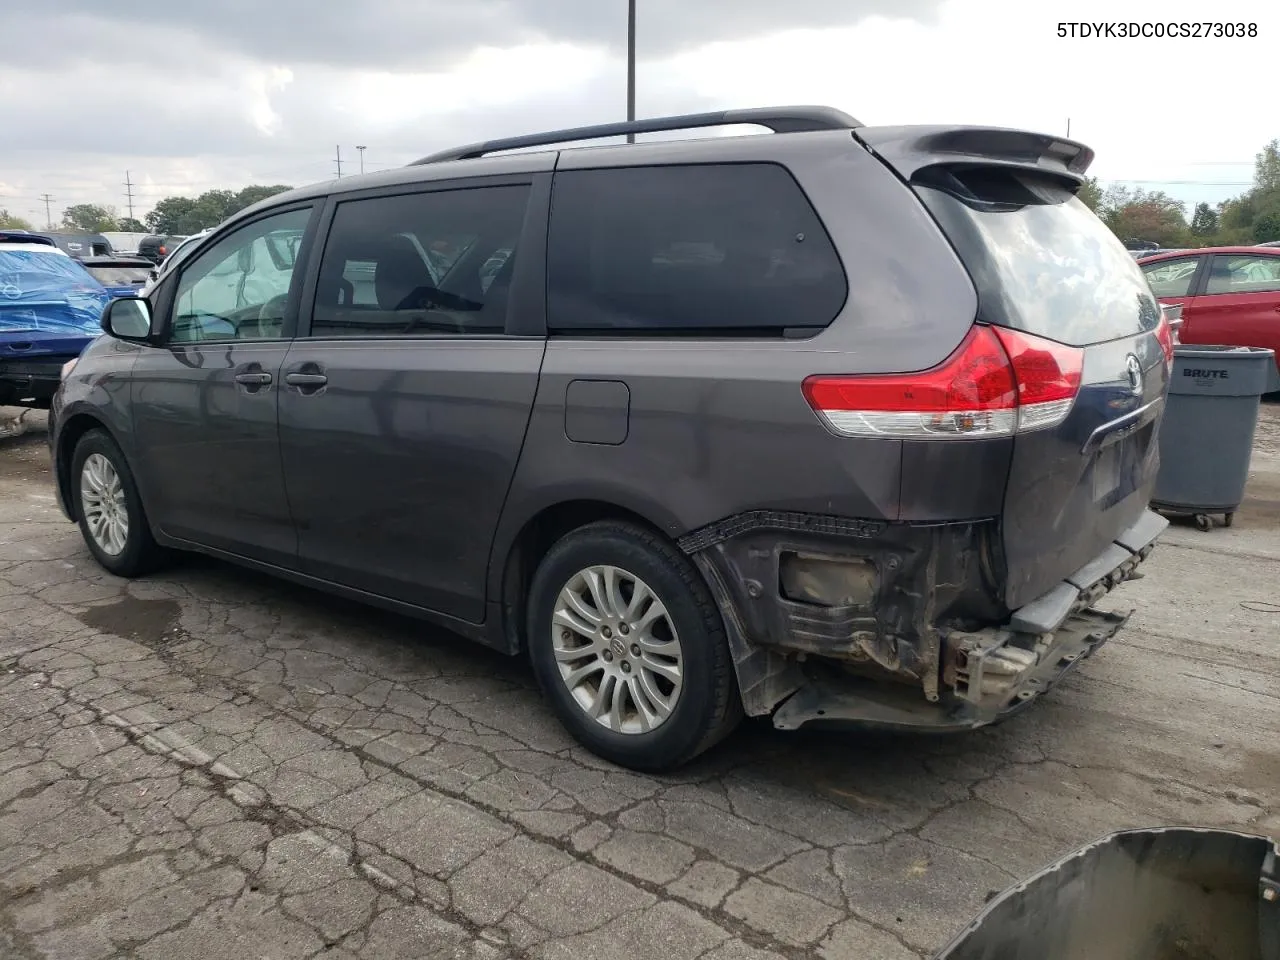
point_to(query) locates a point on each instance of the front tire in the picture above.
(629, 648)
(109, 508)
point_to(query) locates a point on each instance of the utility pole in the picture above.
(1068, 126)
(128, 192)
(361, 149)
(48, 216)
(338, 160)
(631, 65)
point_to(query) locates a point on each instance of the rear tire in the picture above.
(629, 648)
(109, 508)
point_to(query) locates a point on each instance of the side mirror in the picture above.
(128, 318)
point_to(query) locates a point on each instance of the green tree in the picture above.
(173, 215)
(1235, 220)
(1266, 168)
(90, 217)
(1266, 224)
(252, 194)
(1145, 215)
(10, 221)
(1204, 222)
(1091, 193)
(132, 225)
(187, 215)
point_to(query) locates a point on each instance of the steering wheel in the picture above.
(273, 309)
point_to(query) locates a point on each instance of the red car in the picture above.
(1230, 295)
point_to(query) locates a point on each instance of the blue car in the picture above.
(50, 310)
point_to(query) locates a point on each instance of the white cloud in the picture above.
(260, 85)
(1171, 112)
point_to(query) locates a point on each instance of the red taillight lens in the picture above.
(996, 383)
(163, 251)
(1048, 376)
(1164, 333)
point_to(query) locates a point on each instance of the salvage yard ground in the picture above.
(209, 764)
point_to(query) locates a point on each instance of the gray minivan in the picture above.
(837, 425)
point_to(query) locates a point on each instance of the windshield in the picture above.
(1042, 262)
(183, 251)
(121, 276)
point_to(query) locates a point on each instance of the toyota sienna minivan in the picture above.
(837, 424)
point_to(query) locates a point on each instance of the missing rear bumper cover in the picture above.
(890, 629)
(1003, 684)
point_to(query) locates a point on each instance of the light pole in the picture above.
(631, 65)
(361, 149)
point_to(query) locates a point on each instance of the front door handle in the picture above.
(256, 379)
(306, 379)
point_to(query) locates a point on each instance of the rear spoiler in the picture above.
(21, 236)
(909, 149)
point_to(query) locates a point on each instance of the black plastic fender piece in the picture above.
(1155, 894)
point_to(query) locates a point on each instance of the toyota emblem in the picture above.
(1135, 375)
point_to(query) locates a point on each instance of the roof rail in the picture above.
(777, 119)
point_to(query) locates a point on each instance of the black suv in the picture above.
(842, 424)
(156, 247)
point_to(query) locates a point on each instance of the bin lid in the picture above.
(1221, 371)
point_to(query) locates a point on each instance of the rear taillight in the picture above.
(997, 382)
(1164, 333)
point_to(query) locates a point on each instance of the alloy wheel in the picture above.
(617, 651)
(103, 503)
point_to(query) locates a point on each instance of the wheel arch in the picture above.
(527, 544)
(69, 434)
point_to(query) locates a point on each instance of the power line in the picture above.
(1185, 183)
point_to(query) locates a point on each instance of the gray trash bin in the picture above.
(1168, 893)
(1206, 438)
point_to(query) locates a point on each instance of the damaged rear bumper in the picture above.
(909, 659)
(1006, 683)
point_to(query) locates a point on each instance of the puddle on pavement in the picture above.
(134, 619)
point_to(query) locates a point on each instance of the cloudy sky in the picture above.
(188, 96)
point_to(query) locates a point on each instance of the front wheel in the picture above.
(629, 648)
(109, 508)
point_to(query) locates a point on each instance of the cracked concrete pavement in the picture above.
(210, 764)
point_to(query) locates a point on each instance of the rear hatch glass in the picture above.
(1045, 265)
(1042, 261)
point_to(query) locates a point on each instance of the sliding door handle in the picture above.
(306, 379)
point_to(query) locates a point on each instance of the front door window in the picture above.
(237, 289)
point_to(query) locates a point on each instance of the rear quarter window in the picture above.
(1041, 260)
(688, 249)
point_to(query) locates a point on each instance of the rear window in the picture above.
(689, 249)
(121, 276)
(1040, 259)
